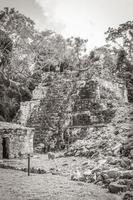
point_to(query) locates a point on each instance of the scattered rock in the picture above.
(55, 173)
(74, 160)
(125, 163)
(77, 176)
(87, 173)
(65, 164)
(85, 163)
(128, 196)
(113, 161)
(131, 153)
(130, 134)
(127, 174)
(116, 188)
(128, 182)
(111, 174)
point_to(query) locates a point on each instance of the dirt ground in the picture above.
(65, 165)
(16, 185)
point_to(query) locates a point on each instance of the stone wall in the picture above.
(118, 89)
(91, 107)
(26, 108)
(45, 119)
(18, 140)
(51, 111)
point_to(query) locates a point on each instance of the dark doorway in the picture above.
(5, 144)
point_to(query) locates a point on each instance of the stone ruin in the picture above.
(83, 104)
(15, 140)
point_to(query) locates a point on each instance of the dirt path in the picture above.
(16, 185)
(66, 165)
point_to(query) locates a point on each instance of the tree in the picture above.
(76, 49)
(56, 52)
(5, 50)
(20, 30)
(122, 38)
(16, 24)
(11, 93)
(50, 53)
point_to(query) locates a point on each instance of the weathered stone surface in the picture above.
(130, 134)
(111, 174)
(87, 173)
(15, 140)
(26, 109)
(125, 163)
(128, 196)
(127, 174)
(116, 188)
(114, 161)
(39, 92)
(128, 182)
(131, 153)
(77, 176)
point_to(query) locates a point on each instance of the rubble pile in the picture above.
(127, 149)
(109, 150)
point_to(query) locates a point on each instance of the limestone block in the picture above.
(116, 188)
(128, 196)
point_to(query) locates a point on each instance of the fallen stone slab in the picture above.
(111, 174)
(127, 174)
(116, 188)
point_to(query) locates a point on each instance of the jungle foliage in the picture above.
(26, 54)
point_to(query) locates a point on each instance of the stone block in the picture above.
(128, 196)
(127, 174)
(117, 188)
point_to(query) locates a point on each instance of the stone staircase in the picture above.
(27, 107)
(51, 111)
